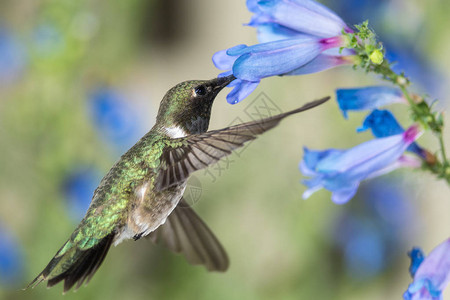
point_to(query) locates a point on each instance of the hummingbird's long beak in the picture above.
(219, 83)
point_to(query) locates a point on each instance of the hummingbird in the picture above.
(142, 194)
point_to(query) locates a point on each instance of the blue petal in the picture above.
(242, 89)
(321, 63)
(237, 50)
(273, 32)
(343, 195)
(367, 98)
(223, 61)
(319, 8)
(376, 151)
(252, 5)
(417, 256)
(303, 16)
(260, 19)
(272, 46)
(311, 158)
(383, 124)
(279, 57)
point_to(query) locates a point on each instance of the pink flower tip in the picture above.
(333, 42)
(411, 134)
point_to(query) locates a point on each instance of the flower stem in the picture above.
(364, 43)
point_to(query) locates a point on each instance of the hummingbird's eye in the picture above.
(200, 90)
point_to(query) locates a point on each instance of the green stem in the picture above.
(444, 155)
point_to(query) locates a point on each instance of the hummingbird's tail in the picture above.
(74, 265)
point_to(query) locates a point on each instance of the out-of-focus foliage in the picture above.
(81, 80)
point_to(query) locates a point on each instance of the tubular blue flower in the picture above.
(303, 16)
(367, 98)
(285, 57)
(295, 35)
(431, 274)
(383, 124)
(341, 171)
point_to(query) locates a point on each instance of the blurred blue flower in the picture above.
(370, 233)
(298, 39)
(48, 40)
(383, 124)
(367, 98)
(11, 259)
(431, 275)
(115, 119)
(364, 249)
(79, 187)
(341, 171)
(412, 61)
(12, 57)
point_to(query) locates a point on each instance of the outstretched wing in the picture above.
(198, 151)
(185, 233)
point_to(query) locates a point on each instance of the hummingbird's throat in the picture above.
(198, 125)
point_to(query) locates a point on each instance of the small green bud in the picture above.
(401, 80)
(376, 57)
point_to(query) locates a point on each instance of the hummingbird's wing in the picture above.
(184, 232)
(198, 151)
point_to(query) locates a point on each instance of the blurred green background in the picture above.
(81, 81)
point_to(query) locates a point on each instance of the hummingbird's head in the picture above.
(186, 108)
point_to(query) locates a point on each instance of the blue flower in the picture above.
(370, 232)
(414, 62)
(302, 16)
(383, 124)
(11, 259)
(12, 57)
(79, 187)
(367, 98)
(431, 274)
(341, 171)
(285, 57)
(298, 37)
(114, 117)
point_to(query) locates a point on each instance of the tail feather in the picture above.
(75, 266)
